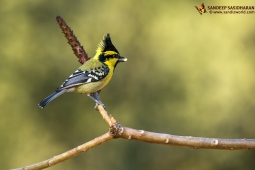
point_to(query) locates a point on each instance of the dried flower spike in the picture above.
(73, 41)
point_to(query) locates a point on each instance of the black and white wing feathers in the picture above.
(80, 77)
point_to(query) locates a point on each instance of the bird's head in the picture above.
(107, 53)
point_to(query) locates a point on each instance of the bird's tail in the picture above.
(48, 99)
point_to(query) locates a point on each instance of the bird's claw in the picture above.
(96, 106)
(95, 96)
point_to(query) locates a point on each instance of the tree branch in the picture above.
(105, 115)
(188, 141)
(118, 131)
(69, 154)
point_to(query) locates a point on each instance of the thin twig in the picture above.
(69, 154)
(119, 131)
(105, 115)
(188, 141)
(73, 41)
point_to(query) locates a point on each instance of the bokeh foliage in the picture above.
(186, 75)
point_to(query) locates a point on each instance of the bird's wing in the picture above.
(82, 77)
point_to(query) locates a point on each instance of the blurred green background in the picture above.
(186, 75)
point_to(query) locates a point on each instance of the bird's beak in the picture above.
(122, 59)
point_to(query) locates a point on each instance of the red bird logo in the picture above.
(201, 9)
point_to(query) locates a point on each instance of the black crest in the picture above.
(106, 44)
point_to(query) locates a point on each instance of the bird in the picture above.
(93, 75)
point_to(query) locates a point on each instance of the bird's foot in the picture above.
(96, 106)
(95, 96)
